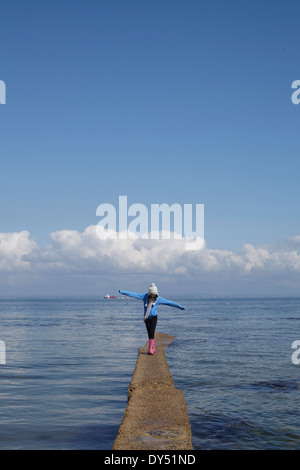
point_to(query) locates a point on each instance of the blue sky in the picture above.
(163, 101)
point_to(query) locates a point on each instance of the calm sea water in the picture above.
(69, 363)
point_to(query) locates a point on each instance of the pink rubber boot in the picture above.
(151, 347)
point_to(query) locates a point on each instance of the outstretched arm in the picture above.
(132, 294)
(170, 303)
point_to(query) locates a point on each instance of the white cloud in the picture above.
(75, 253)
(13, 247)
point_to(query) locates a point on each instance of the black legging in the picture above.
(151, 325)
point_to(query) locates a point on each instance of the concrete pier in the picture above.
(155, 417)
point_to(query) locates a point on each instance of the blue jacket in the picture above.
(159, 301)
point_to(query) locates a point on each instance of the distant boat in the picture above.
(107, 296)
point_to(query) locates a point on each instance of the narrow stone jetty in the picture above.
(155, 417)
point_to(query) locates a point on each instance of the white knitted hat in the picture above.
(153, 289)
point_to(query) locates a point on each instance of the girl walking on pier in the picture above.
(151, 301)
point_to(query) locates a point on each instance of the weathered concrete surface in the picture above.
(155, 417)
